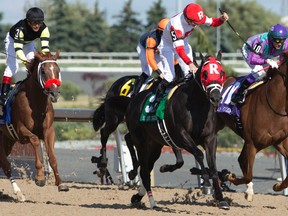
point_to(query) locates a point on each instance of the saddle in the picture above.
(5, 111)
(234, 109)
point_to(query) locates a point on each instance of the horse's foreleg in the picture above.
(178, 165)
(16, 190)
(49, 141)
(147, 160)
(39, 178)
(6, 166)
(249, 193)
(283, 149)
(246, 162)
(133, 173)
(210, 149)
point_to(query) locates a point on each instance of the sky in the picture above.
(13, 10)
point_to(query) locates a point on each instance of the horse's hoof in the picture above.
(132, 175)
(63, 187)
(136, 198)
(276, 187)
(163, 169)
(40, 183)
(207, 190)
(224, 205)
(249, 197)
(20, 197)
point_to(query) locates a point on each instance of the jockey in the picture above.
(148, 54)
(19, 44)
(174, 43)
(259, 54)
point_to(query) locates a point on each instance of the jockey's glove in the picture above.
(272, 63)
(155, 74)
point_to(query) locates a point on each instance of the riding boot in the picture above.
(4, 93)
(138, 83)
(239, 96)
(158, 95)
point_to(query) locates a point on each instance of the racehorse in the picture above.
(111, 116)
(264, 120)
(32, 117)
(189, 121)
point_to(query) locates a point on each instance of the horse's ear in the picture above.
(38, 55)
(219, 55)
(57, 54)
(194, 59)
(202, 57)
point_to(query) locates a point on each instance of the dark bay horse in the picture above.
(32, 117)
(264, 117)
(108, 117)
(190, 120)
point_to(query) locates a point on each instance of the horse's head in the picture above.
(48, 74)
(212, 77)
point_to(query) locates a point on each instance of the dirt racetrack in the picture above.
(94, 199)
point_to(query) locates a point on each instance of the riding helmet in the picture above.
(194, 13)
(35, 14)
(277, 31)
(162, 24)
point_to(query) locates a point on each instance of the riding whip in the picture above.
(248, 45)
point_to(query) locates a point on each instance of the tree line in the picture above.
(75, 28)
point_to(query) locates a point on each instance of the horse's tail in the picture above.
(99, 117)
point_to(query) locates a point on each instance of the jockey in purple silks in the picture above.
(258, 53)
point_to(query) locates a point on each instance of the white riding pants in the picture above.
(11, 59)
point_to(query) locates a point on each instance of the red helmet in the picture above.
(194, 13)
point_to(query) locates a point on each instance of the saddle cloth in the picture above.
(5, 114)
(127, 87)
(146, 116)
(225, 104)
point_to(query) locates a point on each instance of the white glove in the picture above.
(272, 63)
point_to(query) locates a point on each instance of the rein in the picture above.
(284, 76)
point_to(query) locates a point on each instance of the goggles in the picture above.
(278, 40)
(35, 22)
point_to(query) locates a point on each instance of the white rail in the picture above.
(123, 61)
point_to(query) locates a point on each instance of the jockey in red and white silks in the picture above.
(174, 42)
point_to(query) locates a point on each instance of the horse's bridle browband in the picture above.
(42, 83)
(284, 76)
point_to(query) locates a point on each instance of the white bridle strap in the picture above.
(39, 72)
(215, 86)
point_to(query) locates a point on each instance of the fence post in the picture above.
(121, 156)
(283, 170)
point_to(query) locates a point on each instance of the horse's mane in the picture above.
(39, 57)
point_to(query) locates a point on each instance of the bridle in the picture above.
(46, 84)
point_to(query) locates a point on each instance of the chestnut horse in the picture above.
(189, 121)
(264, 117)
(32, 117)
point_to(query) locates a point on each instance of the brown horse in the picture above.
(264, 117)
(32, 117)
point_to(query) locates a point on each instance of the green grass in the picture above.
(82, 101)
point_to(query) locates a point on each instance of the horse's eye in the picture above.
(205, 75)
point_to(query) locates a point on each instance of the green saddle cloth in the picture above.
(146, 116)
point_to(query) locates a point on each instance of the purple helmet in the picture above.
(278, 31)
